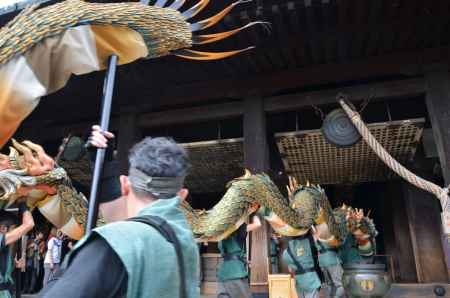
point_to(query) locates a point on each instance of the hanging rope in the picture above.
(439, 192)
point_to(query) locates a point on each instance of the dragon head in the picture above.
(356, 222)
(29, 174)
(311, 202)
(24, 173)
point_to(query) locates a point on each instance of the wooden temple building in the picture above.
(263, 110)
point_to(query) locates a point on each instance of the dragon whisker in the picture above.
(204, 56)
(160, 3)
(194, 10)
(206, 23)
(177, 4)
(204, 39)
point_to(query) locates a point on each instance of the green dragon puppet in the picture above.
(307, 206)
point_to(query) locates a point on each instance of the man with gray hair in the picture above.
(133, 258)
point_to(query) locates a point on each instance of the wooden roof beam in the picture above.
(295, 101)
(384, 90)
(406, 63)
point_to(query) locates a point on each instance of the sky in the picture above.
(4, 3)
(8, 5)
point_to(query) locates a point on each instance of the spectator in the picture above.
(8, 236)
(53, 257)
(67, 245)
(41, 255)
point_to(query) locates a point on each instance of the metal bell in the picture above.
(338, 129)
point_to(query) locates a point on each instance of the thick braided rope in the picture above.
(163, 30)
(439, 192)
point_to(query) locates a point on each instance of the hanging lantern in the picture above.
(338, 129)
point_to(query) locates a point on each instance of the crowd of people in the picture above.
(43, 258)
(43, 253)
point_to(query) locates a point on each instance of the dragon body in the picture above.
(307, 206)
(46, 45)
(164, 29)
(53, 194)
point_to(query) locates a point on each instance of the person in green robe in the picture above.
(8, 237)
(129, 258)
(299, 257)
(356, 250)
(274, 250)
(232, 273)
(330, 264)
(357, 247)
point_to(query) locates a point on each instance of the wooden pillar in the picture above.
(128, 135)
(256, 159)
(403, 253)
(386, 231)
(422, 210)
(438, 105)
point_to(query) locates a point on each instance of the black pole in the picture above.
(19, 256)
(108, 90)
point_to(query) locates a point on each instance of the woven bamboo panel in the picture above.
(214, 163)
(309, 157)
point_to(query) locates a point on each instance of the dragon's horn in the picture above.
(194, 10)
(203, 39)
(197, 55)
(43, 158)
(28, 154)
(289, 191)
(206, 23)
(19, 147)
(307, 183)
(24, 149)
(160, 3)
(34, 147)
(177, 4)
(14, 158)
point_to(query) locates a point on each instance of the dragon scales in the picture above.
(306, 207)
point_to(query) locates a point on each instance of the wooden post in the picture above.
(404, 252)
(127, 137)
(424, 226)
(256, 159)
(438, 105)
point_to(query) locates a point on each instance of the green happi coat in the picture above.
(150, 260)
(328, 256)
(234, 268)
(301, 249)
(351, 253)
(6, 273)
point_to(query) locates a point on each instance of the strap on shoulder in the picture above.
(299, 266)
(167, 232)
